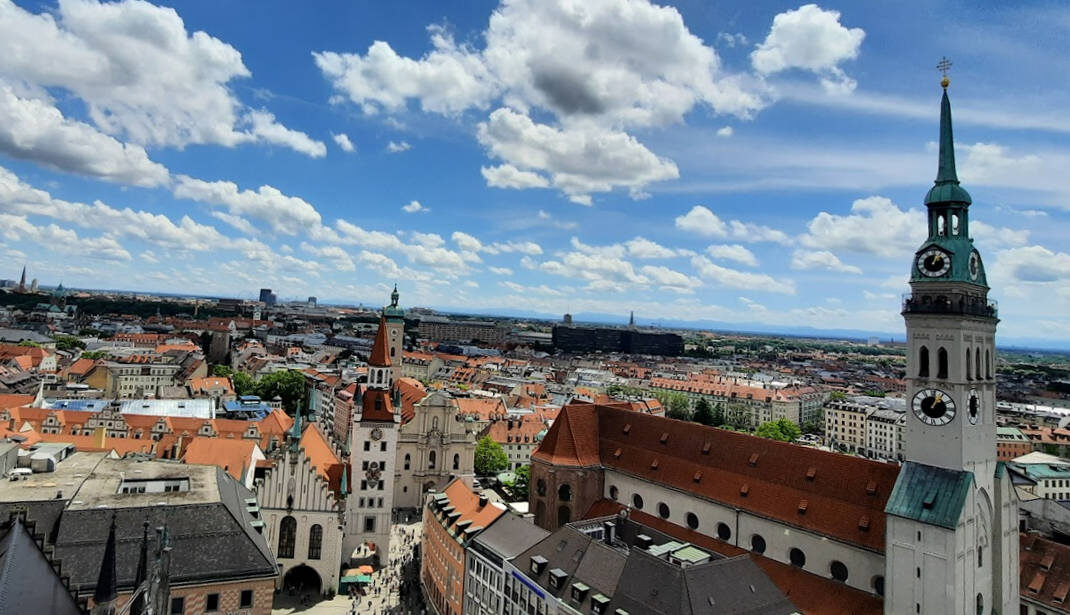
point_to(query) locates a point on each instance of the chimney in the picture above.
(482, 500)
(608, 531)
(643, 542)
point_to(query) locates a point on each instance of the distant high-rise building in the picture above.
(311, 302)
(267, 297)
(33, 286)
(567, 319)
(22, 280)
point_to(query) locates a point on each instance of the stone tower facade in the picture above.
(373, 451)
(952, 543)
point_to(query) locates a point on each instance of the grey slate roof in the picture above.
(28, 583)
(642, 583)
(211, 541)
(510, 535)
(735, 585)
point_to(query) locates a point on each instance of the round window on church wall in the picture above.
(878, 585)
(663, 510)
(838, 571)
(692, 520)
(797, 557)
(723, 531)
(757, 544)
(637, 501)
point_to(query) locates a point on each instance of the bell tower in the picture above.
(394, 321)
(951, 328)
(951, 542)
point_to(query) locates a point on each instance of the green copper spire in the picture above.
(947, 189)
(946, 171)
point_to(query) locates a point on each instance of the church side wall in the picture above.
(862, 565)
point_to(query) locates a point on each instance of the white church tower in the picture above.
(952, 525)
(373, 450)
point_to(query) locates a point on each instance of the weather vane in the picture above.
(943, 65)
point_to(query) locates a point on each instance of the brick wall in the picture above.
(229, 597)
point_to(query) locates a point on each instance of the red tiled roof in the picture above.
(812, 594)
(573, 438)
(466, 502)
(1044, 572)
(81, 367)
(412, 391)
(777, 474)
(376, 406)
(380, 351)
(319, 453)
(14, 401)
(233, 456)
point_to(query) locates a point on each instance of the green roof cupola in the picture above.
(946, 188)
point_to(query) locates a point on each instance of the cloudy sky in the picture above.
(758, 162)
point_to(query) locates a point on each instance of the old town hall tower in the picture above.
(952, 532)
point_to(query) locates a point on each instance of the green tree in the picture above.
(523, 480)
(736, 416)
(703, 412)
(29, 344)
(222, 371)
(838, 395)
(243, 383)
(718, 415)
(287, 384)
(67, 342)
(783, 430)
(490, 457)
(94, 354)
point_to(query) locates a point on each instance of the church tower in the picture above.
(373, 450)
(395, 333)
(952, 544)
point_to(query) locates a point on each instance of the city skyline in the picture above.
(760, 166)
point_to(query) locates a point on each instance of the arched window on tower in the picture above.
(941, 363)
(969, 363)
(988, 363)
(315, 541)
(923, 362)
(977, 374)
(941, 225)
(408, 460)
(287, 536)
(954, 224)
(456, 461)
(564, 493)
(431, 460)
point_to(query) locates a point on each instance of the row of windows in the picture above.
(432, 459)
(288, 538)
(972, 359)
(837, 569)
(211, 602)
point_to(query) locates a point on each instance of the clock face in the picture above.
(973, 406)
(933, 407)
(934, 262)
(377, 434)
(975, 265)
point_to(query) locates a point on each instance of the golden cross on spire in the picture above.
(943, 65)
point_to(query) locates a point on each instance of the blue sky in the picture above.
(760, 162)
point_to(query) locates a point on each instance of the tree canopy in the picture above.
(703, 412)
(783, 430)
(287, 384)
(490, 457)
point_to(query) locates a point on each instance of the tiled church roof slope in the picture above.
(835, 495)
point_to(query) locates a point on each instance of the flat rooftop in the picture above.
(68, 478)
(101, 487)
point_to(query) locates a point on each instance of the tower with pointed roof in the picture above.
(106, 593)
(394, 319)
(373, 449)
(952, 536)
(22, 281)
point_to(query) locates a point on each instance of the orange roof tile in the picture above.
(328, 465)
(233, 456)
(15, 401)
(380, 356)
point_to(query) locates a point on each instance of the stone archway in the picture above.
(302, 579)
